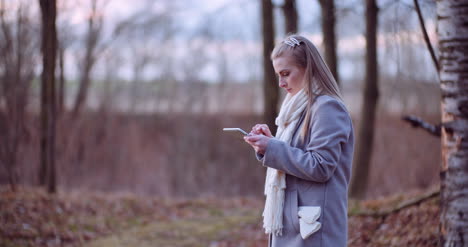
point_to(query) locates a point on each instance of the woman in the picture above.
(309, 160)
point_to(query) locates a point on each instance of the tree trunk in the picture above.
(453, 43)
(329, 36)
(61, 86)
(361, 166)
(290, 16)
(270, 87)
(49, 48)
(85, 81)
(92, 38)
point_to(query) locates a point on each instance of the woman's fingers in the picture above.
(251, 143)
(256, 129)
(266, 131)
(258, 142)
(252, 138)
(248, 140)
(261, 129)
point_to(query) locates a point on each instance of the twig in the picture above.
(417, 122)
(426, 37)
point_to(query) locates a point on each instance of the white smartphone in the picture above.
(238, 130)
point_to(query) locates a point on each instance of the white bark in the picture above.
(453, 45)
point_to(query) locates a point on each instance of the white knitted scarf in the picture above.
(275, 183)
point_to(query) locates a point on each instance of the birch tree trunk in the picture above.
(453, 46)
(270, 87)
(365, 140)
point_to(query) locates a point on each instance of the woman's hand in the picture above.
(261, 129)
(258, 142)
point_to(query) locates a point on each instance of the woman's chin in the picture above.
(292, 92)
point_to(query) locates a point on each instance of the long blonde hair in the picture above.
(318, 78)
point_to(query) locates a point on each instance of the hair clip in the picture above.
(292, 42)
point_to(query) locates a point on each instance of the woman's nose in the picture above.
(282, 84)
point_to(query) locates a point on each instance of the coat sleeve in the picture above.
(329, 129)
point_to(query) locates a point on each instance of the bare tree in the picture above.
(270, 89)
(64, 40)
(141, 58)
(290, 16)
(453, 43)
(110, 86)
(329, 35)
(93, 36)
(361, 164)
(47, 173)
(17, 63)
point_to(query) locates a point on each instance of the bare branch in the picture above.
(417, 122)
(426, 37)
(405, 204)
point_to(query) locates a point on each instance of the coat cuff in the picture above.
(270, 157)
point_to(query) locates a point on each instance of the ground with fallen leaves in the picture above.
(31, 217)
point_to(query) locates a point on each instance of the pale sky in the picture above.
(235, 25)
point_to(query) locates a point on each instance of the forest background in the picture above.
(144, 90)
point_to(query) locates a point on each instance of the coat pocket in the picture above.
(308, 220)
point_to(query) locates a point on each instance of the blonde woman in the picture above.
(309, 160)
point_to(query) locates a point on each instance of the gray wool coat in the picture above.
(318, 171)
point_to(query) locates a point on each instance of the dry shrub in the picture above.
(188, 155)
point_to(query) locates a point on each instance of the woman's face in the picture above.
(290, 75)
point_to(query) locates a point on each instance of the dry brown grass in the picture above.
(31, 217)
(190, 156)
